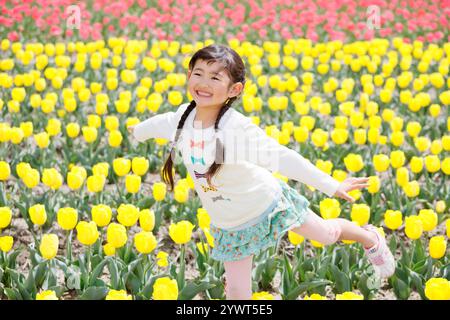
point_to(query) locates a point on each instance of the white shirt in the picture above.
(244, 186)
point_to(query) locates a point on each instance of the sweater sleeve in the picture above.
(159, 126)
(265, 151)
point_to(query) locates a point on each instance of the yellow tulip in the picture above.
(437, 289)
(139, 165)
(374, 184)
(101, 215)
(437, 247)
(5, 217)
(145, 242)
(49, 246)
(38, 214)
(101, 169)
(132, 183)
(121, 166)
(381, 162)
(349, 296)
(109, 249)
(162, 259)
(397, 159)
(159, 191)
(315, 296)
(89, 134)
(440, 206)
(429, 219)
(413, 227)
(329, 208)
(116, 235)
(432, 163)
(31, 178)
(263, 295)
(52, 178)
(416, 164)
(203, 218)
(6, 243)
(181, 193)
(412, 189)
(165, 289)
(95, 183)
(115, 138)
(181, 232)
(209, 237)
(393, 219)
(147, 219)
(353, 162)
(87, 232)
(127, 215)
(295, 238)
(42, 140)
(74, 180)
(360, 213)
(67, 218)
(5, 171)
(118, 295)
(46, 295)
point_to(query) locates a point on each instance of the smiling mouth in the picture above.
(203, 94)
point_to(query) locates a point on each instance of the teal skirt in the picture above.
(288, 211)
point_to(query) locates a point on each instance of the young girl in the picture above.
(230, 159)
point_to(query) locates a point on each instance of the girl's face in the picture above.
(209, 84)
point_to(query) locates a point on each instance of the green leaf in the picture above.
(191, 289)
(30, 284)
(341, 280)
(12, 294)
(94, 293)
(114, 274)
(59, 290)
(418, 282)
(393, 244)
(40, 273)
(148, 288)
(96, 272)
(133, 283)
(295, 292)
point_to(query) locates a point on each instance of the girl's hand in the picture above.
(350, 184)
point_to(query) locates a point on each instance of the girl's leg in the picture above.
(328, 231)
(238, 277)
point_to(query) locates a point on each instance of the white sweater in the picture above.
(244, 186)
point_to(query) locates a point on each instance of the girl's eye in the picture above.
(215, 78)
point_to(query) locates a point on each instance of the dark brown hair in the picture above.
(235, 68)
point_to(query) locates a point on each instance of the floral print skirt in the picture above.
(290, 211)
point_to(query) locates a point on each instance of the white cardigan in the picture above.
(244, 187)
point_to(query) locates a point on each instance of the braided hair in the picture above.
(234, 66)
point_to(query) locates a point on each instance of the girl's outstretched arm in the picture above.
(159, 126)
(266, 152)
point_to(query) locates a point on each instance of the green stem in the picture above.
(69, 246)
(88, 256)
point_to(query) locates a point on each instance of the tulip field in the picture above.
(84, 211)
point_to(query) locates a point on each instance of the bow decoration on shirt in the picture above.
(206, 189)
(220, 198)
(199, 175)
(200, 160)
(200, 144)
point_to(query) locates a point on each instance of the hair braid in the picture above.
(167, 174)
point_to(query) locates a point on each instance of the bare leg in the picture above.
(328, 231)
(238, 276)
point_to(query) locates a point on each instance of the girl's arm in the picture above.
(266, 152)
(159, 126)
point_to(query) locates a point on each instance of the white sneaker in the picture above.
(380, 256)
